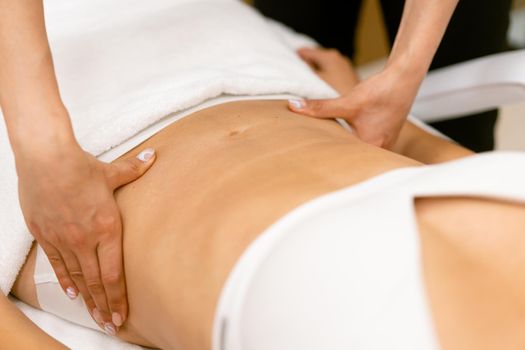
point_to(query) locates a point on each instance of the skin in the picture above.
(377, 107)
(76, 220)
(225, 174)
(228, 191)
(223, 161)
(66, 194)
(14, 328)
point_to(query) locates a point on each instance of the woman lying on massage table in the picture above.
(343, 270)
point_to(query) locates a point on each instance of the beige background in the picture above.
(372, 40)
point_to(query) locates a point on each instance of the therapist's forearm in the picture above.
(422, 28)
(35, 116)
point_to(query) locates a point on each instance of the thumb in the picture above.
(332, 108)
(127, 170)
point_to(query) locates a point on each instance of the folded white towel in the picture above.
(124, 64)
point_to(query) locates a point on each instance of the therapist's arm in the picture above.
(377, 107)
(66, 195)
(413, 142)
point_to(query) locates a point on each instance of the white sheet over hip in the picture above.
(344, 270)
(52, 298)
(341, 271)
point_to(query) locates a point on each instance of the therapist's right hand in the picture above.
(67, 198)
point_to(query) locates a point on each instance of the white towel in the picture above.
(124, 64)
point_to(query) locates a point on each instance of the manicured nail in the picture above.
(146, 155)
(97, 316)
(71, 293)
(296, 104)
(117, 319)
(110, 329)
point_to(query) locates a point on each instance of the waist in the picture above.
(222, 176)
(252, 158)
(152, 130)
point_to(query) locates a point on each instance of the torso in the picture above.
(222, 176)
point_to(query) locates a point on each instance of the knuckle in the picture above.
(73, 236)
(316, 106)
(134, 167)
(116, 304)
(54, 259)
(89, 301)
(106, 222)
(95, 287)
(76, 274)
(112, 278)
(78, 240)
(73, 228)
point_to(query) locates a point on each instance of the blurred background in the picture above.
(372, 47)
(372, 39)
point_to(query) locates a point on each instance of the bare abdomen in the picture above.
(222, 176)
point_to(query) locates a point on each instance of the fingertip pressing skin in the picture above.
(146, 155)
(117, 319)
(296, 104)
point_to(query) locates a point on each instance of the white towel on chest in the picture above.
(122, 65)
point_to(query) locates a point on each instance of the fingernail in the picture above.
(97, 316)
(117, 319)
(146, 155)
(296, 103)
(71, 293)
(110, 329)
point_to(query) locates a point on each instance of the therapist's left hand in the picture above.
(376, 108)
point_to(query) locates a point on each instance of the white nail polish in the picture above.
(97, 316)
(117, 319)
(110, 329)
(146, 155)
(71, 293)
(297, 104)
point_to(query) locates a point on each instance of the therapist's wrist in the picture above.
(43, 136)
(404, 79)
(407, 69)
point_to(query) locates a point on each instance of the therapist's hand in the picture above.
(67, 200)
(376, 108)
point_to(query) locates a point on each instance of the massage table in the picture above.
(472, 87)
